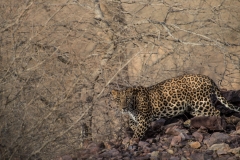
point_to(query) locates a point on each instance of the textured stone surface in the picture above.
(216, 137)
(195, 145)
(198, 136)
(211, 123)
(221, 148)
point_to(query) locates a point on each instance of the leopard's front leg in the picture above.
(139, 129)
(132, 124)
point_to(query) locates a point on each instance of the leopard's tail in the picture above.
(223, 100)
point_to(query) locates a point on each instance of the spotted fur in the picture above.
(172, 97)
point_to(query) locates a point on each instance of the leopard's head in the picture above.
(122, 98)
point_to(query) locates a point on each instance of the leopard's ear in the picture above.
(114, 93)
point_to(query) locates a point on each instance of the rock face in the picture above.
(207, 138)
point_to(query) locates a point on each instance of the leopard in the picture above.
(192, 93)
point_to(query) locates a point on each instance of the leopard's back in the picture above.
(175, 96)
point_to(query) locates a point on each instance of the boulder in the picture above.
(194, 145)
(235, 151)
(215, 138)
(176, 140)
(198, 136)
(212, 123)
(221, 148)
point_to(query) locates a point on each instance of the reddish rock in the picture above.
(175, 131)
(176, 140)
(212, 123)
(143, 144)
(179, 124)
(202, 129)
(134, 141)
(198, 136)
(110, 153)
(185, 136)
(157, 124)
(165, 147)
(93, 148)
(216, 137)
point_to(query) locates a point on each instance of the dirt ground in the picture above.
(59, 60)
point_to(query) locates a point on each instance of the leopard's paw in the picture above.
(133, 144)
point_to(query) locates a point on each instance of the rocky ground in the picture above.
(201, 138)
